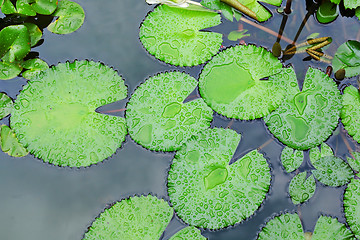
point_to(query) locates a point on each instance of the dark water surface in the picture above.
(40, 202)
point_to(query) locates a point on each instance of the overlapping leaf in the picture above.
(350, 113)
(352, 206)
(302, 188)
(6, 105)
(10, 144)
(291, 159)
(347, 57)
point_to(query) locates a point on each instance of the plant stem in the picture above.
(287, 9)
(237, 5)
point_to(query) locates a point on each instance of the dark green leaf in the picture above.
(8, 8)
(301, 188)
(10, 144)
(291, 159)
(236, 35)
(350, 113)
(6, 105)
(35, 67)
(9, 70)
(352, 206)
(24, 8)
(14, 42)
(327, 12)
(45, 7)
(35, 33)
(347, 57)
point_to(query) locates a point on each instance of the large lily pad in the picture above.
(10, 144)
(307, 118)
(157, 117)
(14, 43)
(291, 159)
(208, 192)
(301, 188)
(6, 105)
(352, 206)
(230, 83)
(173, 35)
(54, 115)
(350, 113)
(347, 56)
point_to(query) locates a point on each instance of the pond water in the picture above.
(39, 201)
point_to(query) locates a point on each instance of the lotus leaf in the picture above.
(6, 105)
(306, 118)
(206, 191)
(34, 66)
(157, 117)
(173, 35)
(10, 144)
(54, 115)
(14, 43)
(35, 33)
(9, 70)
(301, 188)
(352, 206)
(70, 17)
(355, 162)
(350, 113)
(347, 57)
(188, 233)
(291, 159)
(230, 83)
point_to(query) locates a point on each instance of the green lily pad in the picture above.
(157, 117)
(347, 57)
(35, 67)
(307, 118)
(7, 7)
(10, 144)
(206, 191)
(35, 33)
(355, 162)
(9, 70)
(23, 7)
(261, 12)
(6, 105)
(70, 18)
(230, 83)
(352, 206)
(331, 228)
(14, 43)
(291, 159)
(188, 233)
(54, 115)
(352, 4)
(45, 7)
(301, 188)
(173, 35)
(226, 10)
(350, 113)
(1, 2)
(315, 153)
(327, 12)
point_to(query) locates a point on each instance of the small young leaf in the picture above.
(326, 150)
(35, 33)
(70, 17)
(237, 15)
(291, 159)
(6, 105)
(350, 113)
(45, 7)
(8, 8)
(190, 233)
(10, 144)
(355, 162)
(14, 42)
(9, 70)
(262, 13)
(302, 189)
(352, 206)
(327, 12)
(236, 35)
(347, 56)
(35, 67)
(227, 11)
(331, 228)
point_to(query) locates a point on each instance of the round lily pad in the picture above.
(15, 43)
(354, 162)
(352, 206)
(291, 159)
(350, 113)
(157, 117)
(347, 57)
(331, 228)
(206, 191)
(54, 115)
(306, 118)
(10, 144)
(9, 70)
(173, 35)
(188, 233)
(230, 83)
(34, 66)
(301, 188)
(132, 219)
(6, 105)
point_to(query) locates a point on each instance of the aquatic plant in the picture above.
(302, 187)
(347, 57)
(350, 113)
(10, 144)
(352, 206)
(6, 105)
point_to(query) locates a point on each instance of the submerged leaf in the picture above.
(236, 35)
(208, 192)
(307, 118)
(355, 162)
(157, 117)
(70, 17)
(230, 83)
(291, 159)
(9, 70)
(6, 105)
(190, 233)
(347, 57)
(14, 43)
(10, 144)
(352, 206)
(301, 188)
(350, 113)
(54, 115)
(173, 35)
(35, 67)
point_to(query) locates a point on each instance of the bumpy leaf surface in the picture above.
(330, 228)
(352, 206)
(173, 35)
(190, 233)
(307, 118)
(347, 56)
(10, 144)
(291, 159)
(9, 70)
(34, 66)
(301, 188)
(208, 192)
(350, 113)
(355, 162)
(54, 115)
(6, 105)
(230, 83)
(315, 153)
(157, 117)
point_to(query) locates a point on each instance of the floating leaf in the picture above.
(347, 57)
(355, 162)
(14, 43)
(301, 188)
(225, 9)
(9, 70)
(291, 159)
(70, 18)
(208, 192)
(45, 7)
(10, 144)
(236, 35)
(6, 105)
(330, 228)
(157, 117)
(230, 83)
(327, 12)
(35, 33)
(262, 13)
(8, 8)
(54, 116)
(315, 153)
(350, 113)
(352, 206)
(307, 118)
(35, 66)
(173, 35)
(188, 233)
(357, 12)
(24, 8)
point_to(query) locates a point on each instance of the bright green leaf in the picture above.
(307, 118)
(24, 8)
(351, 4)
(354, 162)
(352, 206)
(262, 13)
(327, 12)
(315, 153)
(335, 1)
(347, 56)
(212, 4)
(14, 42)
(1, 2)
(35, 33)
(237, 15)
(357, 12)
(6, 105)
(157, 117)
(331, 228)
(8, 8)
(350, 113)
(301, 188)
(208, 192)
(10, 144)
(190, 233)
(291, 159)
(54, 115)
(70, 18)
(35, 67)
(173, 35)
(45, 7)
(9, 70)
(230, 83)
(236, 35)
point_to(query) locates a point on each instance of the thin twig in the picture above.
(265, 144)
(116, 110)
